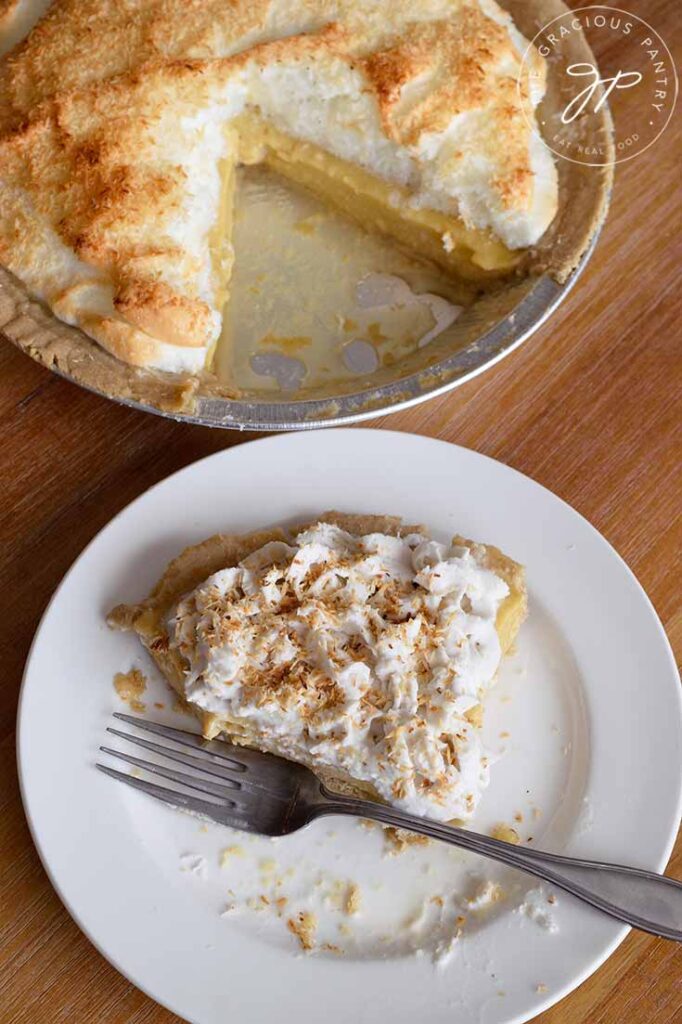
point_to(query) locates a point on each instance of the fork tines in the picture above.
(210, 761)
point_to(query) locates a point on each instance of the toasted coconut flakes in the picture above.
(399, 789)
(291, 679)
(475, 716)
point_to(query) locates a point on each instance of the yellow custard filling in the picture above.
(377, 204)
(467, 254)
(220, 240)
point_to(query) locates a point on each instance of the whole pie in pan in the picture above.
(354, 644)
(122, 126)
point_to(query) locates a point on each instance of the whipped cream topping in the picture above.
(362, 654)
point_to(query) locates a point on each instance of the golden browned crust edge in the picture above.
(199, 561)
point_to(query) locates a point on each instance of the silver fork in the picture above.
(262, 793)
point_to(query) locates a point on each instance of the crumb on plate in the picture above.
(228, 853)
(398, 839)
(130, 686)
(353, 898)
(505, 833)
(304, 927)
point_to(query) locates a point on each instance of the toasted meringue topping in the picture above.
(121, 126)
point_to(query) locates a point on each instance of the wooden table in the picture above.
(589, 407)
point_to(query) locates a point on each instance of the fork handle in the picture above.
(643, 899)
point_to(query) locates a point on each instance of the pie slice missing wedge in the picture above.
(354, 644)
(116, 191)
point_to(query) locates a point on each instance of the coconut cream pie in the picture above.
(122, 126)
(355, 645)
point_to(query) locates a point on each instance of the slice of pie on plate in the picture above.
(353, 644)
(123, 125)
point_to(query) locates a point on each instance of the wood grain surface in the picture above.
(590, 407)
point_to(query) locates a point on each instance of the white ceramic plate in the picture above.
(586, 720)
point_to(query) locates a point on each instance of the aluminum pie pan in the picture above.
(543, 295)
(543, 298)
(487, 331)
